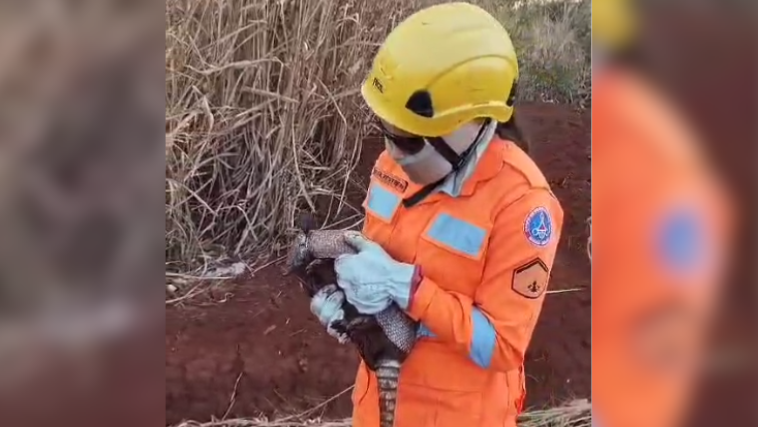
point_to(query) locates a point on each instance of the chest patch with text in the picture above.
(390, 180)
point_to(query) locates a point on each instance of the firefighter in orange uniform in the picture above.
(461, 226)
(660, 222)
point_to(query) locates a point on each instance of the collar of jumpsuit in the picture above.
(427, 166)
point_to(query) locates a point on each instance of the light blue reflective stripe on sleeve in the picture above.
(382, 202)
(483, 340)
(423, 331)
(457, 234)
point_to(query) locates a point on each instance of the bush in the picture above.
(553, 43)
(263, 113)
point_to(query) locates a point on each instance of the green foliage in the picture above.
(553, 43)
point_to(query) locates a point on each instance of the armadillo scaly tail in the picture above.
(387, 374)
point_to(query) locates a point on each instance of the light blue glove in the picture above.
(371, 279)
(326, 304)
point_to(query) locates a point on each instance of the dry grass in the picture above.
(573, 414)
(554, 48)
(264, 117)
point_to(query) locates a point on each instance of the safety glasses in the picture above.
(407, 143)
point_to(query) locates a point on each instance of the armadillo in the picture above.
(383, 340)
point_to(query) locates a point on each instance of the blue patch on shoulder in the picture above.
(680, 240)
(382, 202)
(538, 226)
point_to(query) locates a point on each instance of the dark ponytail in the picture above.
(511, 131)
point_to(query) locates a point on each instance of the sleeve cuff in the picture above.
(421, 299)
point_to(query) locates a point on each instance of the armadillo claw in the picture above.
(338, 329)
(341, 337)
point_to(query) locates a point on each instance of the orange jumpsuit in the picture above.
(486, 257)
(660, 228)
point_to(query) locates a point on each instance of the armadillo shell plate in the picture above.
(399, 328)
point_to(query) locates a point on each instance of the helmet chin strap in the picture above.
(456, 162)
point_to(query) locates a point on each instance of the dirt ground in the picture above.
(254, 347)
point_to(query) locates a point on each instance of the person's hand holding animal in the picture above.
(326, 304)
(371, 279)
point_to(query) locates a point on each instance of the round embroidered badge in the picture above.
(682, 242)
(538, 226)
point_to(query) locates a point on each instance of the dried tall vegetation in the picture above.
(264, 116)
(577, 413)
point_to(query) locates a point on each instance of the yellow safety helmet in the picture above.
(614, 23)
(443, 66)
